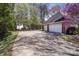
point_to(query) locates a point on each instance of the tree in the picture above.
(72, 10)
(26, 14)
(21, 12)
(36, 20)
(43, 12)
(6, 18)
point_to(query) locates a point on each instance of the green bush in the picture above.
(6, 44)
(72, 31)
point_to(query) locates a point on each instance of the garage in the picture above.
(54, 23)
(55, 27)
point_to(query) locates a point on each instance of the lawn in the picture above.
(71, 38)
(6, 44)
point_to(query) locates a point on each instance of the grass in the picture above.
(6, 44)
(70, 38)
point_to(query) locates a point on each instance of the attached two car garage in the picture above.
(53, 27)
(59, 27)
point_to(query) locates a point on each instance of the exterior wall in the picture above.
(45, 27)
(19, 27)
(66, 25)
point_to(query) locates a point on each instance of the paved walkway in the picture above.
(39, 43)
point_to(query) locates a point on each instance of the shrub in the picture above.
(72, 31)
(3, 29)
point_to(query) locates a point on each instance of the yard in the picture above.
(39, 43)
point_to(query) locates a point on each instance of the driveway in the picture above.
(39, 43)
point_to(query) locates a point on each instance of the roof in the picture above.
(54, 18)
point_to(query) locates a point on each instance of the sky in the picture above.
(53, 4)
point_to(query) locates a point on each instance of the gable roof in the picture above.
(55, 17)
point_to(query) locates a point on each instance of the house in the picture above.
(58, 23)
(19, 27)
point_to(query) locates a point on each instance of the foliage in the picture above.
(6, 14)
(39, 11)
(6, 18)
(72, 8)
(27, 14)
(36, 20)
(71, 31)
(21, 11)
(71, 38)
(3, 29)
(6, 44)
(43, 10)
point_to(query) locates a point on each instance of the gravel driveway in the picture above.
(39, 43)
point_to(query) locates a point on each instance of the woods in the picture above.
(29, 15)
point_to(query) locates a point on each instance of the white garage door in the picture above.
(55, 27)
(45, 27)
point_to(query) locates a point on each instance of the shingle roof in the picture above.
(54, 18)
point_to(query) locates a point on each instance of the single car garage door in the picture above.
(55, 27)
